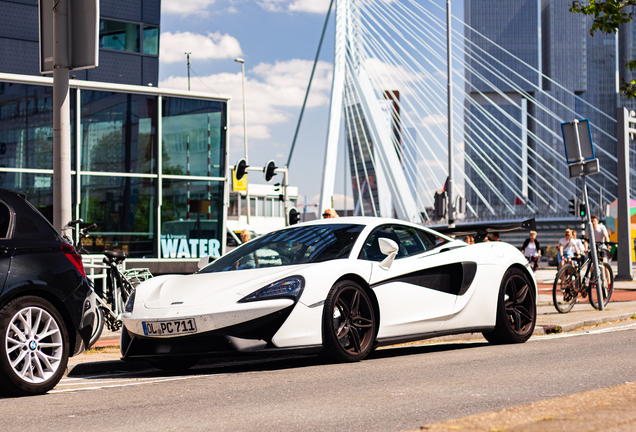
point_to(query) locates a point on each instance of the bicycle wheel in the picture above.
(98, 327)
(607, 288)
(564, 290)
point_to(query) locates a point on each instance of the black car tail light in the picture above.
(73, 257)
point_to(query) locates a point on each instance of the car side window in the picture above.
(406, 238)
(5, 219)
(427, 238)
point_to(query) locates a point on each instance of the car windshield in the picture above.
(297, 245)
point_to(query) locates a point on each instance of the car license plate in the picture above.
(169, 328)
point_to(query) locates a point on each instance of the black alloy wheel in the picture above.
(516, 309)
(349, 323)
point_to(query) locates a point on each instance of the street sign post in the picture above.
(68, 33)
(579, 153)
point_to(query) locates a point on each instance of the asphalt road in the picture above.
(395, 389)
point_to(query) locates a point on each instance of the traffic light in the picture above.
(294, 216)
(574, 206)
(582, 210)
(440, 204)
(240, 169)
(269, 170)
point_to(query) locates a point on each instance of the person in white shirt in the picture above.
(567, 248)
(579, 243)
(600, 235)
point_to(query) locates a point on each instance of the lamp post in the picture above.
(247, 188)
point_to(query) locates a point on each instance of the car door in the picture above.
(6, 246)
(413, 294)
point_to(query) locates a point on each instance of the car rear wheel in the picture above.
(35, 346)
(516, 309)
(349, 323)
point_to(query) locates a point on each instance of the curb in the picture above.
(586, 323)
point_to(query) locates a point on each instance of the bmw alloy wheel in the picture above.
(34, 345)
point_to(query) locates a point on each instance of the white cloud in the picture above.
(185, 8)
(273, 93)
(203, 47)
(310, 6)
(434, 119)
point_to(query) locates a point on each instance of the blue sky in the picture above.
(278, 40)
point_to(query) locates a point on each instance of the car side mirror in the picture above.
(389, 248)
(204, 261)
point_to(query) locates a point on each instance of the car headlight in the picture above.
(290, 287)
(130, 303)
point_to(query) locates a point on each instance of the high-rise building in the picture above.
(540, 35)
(128, 41)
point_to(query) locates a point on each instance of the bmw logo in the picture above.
(32, 345)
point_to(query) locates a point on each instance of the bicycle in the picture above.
(120, 284)
(569, 285)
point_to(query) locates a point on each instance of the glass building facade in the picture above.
(538, 35)
(148, 165)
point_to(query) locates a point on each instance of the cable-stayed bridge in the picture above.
(390, 78)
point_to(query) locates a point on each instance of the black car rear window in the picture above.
(31, 225)
(5, 219)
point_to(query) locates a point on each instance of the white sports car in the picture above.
(337, 286)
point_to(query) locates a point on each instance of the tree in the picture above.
(608, 16)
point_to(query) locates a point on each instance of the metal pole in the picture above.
(285, 173)
(449, 61)
(61, 119)
(623, 223)
(188, 57)
(592, 241)
(247, 184)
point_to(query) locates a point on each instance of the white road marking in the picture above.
(154, 381)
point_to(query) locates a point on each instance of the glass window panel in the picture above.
(118, 132)
(268, 207)
(277, 204)
(26, 126)
(253, 206)
(37, 187)
(124, 210)
(243, 205)
(151, 40)
(194, 230)
(260, 204)
(185, 140)
(117, 35)
(233, 210)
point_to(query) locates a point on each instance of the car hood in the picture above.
(200, 288)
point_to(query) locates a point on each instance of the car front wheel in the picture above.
(35, 346)
(349, 323)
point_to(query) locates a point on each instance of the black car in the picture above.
(46, 302)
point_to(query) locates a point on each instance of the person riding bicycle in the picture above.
(567, 247)
(531, 250)
(600, 235)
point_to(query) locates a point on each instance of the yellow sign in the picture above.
(239, 185)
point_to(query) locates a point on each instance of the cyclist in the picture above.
(600, 235)
(567, 247)
(531, 250)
